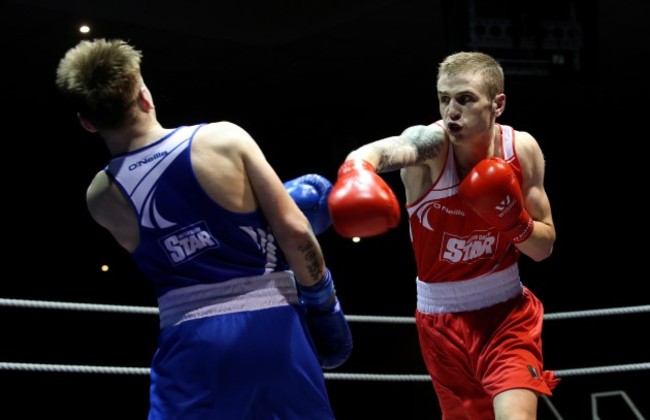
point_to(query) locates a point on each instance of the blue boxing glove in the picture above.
(310, 192)
(326, 322)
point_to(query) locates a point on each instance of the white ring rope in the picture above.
(40, 304)
(122, 370)
(40, 367)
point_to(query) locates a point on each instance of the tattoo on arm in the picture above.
(415, 145)
(315, 264)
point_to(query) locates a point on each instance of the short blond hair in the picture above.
(476, 62)
(101, 78)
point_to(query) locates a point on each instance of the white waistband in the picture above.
(235, 295)
(469, 295)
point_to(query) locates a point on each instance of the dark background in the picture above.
(311, 81)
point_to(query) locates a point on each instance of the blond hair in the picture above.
(101, 79)
(476, 62)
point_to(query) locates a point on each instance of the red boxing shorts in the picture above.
(473, 356)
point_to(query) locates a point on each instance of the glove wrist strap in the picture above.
(523, 229)
(355, 165)
(320, 296)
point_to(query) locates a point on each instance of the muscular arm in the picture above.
(540, 244)
(415, 145)
(288, 223)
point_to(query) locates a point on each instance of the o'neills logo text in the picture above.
(147, 160)
(453, 212)
(478, 245)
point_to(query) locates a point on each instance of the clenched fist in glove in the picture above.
(491, 189)
(326, 322)
(310, 192)
(361, 203)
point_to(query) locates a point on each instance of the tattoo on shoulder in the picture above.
(415, 145)
(427, 141)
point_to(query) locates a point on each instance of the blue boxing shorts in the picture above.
(253, 363)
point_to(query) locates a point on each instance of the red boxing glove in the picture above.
(491, 189)
(361, 203)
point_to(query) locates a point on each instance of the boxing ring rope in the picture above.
(40, 367)
(123, 370)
